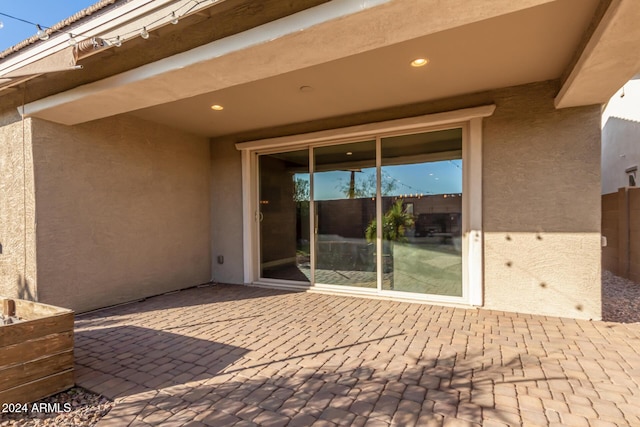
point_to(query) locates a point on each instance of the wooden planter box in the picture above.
(36, 355)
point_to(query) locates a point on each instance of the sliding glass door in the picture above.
(283, 215)
(422, 213)
(381, 215)
(344, 191)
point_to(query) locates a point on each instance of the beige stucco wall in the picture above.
(541, 197)
(541, 205)
(17, 212)
(226, 211)
(123, 211)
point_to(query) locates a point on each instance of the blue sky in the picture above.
(43, 12)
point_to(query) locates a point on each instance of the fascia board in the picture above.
(255, 36)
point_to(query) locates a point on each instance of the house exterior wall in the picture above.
(541, 205)
(226, 212)
(620, 151)
(17, 209)
(541, 198)
(123, 211)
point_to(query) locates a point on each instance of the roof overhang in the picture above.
(271, 49)
(56, 55)
(346, 33)
(610, 58)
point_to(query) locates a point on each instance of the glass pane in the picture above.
(344, 190)
(422, 212)
(284, 216)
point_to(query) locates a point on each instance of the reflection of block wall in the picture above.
(350, 217)
(435, 204)
(346, 217)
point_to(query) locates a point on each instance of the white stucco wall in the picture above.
(17, 209)
(123, 211)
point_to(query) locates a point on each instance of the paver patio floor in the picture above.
(240, 356)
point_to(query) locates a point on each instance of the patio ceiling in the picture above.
(357, 62)
(532, 45)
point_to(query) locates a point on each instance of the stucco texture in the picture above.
(226, 212)
(123, 211)
(541, 197)
(17, 211)
(541, 205)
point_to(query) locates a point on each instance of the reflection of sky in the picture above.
(443, 177)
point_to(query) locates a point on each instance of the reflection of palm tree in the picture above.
(394, 224)
(351, 191)
(365, 187)
(352, 185)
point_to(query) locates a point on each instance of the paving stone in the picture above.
(301, 420)
(249, 412)
(179, 419)
(456, 422)
(320, 400)
(233, 355)
(373, 422)
(217, 418)
(430, 420)
(469, 412)
(337, 416)
(157, 417)
(492, 423)
(406, 414)
(361, 408)
(415, 393)
(535, 418)
(602, 423)
(271, 419)
(574, 420)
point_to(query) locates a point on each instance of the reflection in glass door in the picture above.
(344, 193)
(284, 216)
(412, 203)
(422, 213)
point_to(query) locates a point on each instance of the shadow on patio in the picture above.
(160, 377)
(297, 358)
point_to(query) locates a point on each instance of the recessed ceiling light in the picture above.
(349, 153)
(217, 107)
(419, 62)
